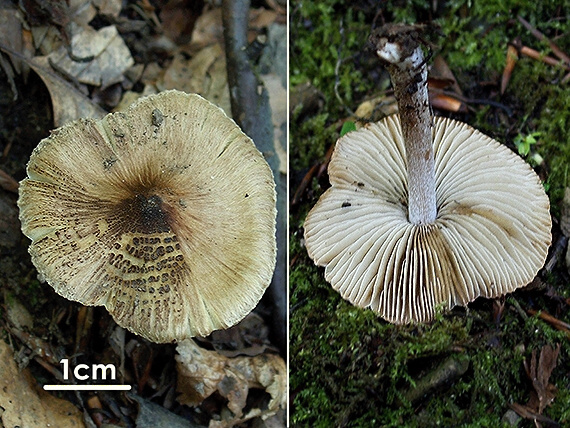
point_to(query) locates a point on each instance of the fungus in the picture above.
(164, 214)
(425, 211)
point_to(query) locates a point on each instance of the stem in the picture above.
(399, 46)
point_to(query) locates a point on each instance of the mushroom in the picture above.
(164, 214)
(425, 211)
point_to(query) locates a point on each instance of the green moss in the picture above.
(554, 123)
(559, 410)
(314, 135)
(354, 368)
(477, 32)
(327, 36)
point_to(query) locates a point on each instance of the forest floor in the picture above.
(474, 366)
(63, 60)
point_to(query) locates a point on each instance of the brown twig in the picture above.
(316, 171)
(446, 102)
(468, 101)
(555, 49)
(555, 322)
(447, 372)
(305, 182)
(527, 413)
(534, 54)
(50, 368)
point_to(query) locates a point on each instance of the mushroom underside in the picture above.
(491, 234)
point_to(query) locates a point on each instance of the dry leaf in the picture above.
(16, 312)
(261, 18)
(81, 11)
(8, 183)
(440, 72)
(445, 102)
(527, 413)
(11, 33)
(43, 12)
(207, 30)
(11, 38)
(68, 103)
(273, 66)
(202, 372)
(9, 224)
(512, 58)
(25, 404)
(249, 337)
(100, 58)
(178, 18)
(108, 7)
(152, 415)
(377, 107)
(544, 392)
(204, 74)
(539, 374)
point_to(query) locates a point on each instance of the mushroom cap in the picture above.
(165, 214)
(491, 234)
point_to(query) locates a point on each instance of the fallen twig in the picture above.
(517, 307)
(337, 71)
(468, 101)
(448, 371)
(305, 182)
(527, 413)
(555, 49)
(534, 54)
(555, 322)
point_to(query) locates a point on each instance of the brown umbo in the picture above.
(428, 212)
(164, 214)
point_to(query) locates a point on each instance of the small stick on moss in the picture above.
(553, 321)
(534, 54)
(517, 307)
(557, 51)
(446, 373)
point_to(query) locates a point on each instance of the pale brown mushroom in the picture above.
(483, 230)
(164, 214)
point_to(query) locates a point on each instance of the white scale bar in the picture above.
(87, 387)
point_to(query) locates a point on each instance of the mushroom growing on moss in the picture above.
(425, 212)
(164, 214)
